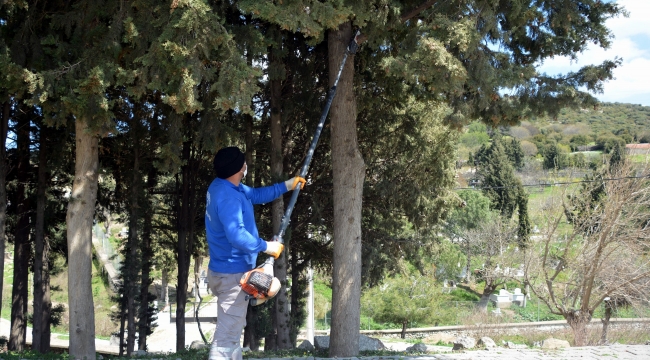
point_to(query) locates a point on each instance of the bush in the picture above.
(474, 139)
(529, 148)
(519, 132)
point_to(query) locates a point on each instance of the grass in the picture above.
(639, 159)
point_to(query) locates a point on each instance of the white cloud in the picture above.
(631, 42)
(636, 23)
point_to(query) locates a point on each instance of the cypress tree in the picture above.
(498, 179)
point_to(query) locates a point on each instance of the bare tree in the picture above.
(494, 244)
(604, 254)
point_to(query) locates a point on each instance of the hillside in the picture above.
(573, 130)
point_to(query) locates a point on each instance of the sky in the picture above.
(631, 42)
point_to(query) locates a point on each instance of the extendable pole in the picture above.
(351, 49)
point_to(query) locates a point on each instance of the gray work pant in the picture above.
(231, 315)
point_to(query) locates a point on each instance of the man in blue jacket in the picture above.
(234, 242)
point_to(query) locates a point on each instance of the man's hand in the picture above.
(291, 183)
(274, 248)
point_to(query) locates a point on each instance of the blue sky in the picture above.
(631, 42)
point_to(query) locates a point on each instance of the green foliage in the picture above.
(579, 140)
(578, 160)
(608, 142)
(579, 205)
(404, 299)
(476, 209)
(497, 178)
(523, 220)
(448, 260)
(554, 158)
(515, 153)
(463, 295)
(474, 140)
(617, 156)
(534, 311)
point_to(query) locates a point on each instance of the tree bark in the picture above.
(404, 324)
(4, 128)
(130, 268)
(348, 170)
(164, 284)
(186, 209)
(250, 337)
(144, 320)
(79, 220)
(182, 261)
(280, 311)
(297, 294)
(250, 331)
(578, 321)
(42, 303)
(605, 321)
(485, 297)
(122, 322)
(22, 247)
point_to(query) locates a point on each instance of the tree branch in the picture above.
(415, 12)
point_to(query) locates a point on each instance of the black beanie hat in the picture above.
(228, 162)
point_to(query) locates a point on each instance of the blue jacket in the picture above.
(230, 226)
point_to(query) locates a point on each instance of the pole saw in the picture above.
(259, 283)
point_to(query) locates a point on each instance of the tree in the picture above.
(348, 170)
(602, 256)
(4, 127)
(279, 337)
(554, 158)
(405, 299)
(433, 51)
(495, 244)
(515, 153)
(22, 246)
(476, 210)
(497, 178)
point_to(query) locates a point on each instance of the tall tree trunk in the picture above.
(348, 170)
(42, 304)
(185, 208)
(122, 321)
(250, 331)
(404, 325)
(164, 284)
(130, 268)
(147, 257)
(22, 247)
(279, 337)
(297, 295)
(4, 128)
(250, 337)
(79, 220)
(249, 147)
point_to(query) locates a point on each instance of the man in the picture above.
(234, 242)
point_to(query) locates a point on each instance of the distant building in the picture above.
(637, 149)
